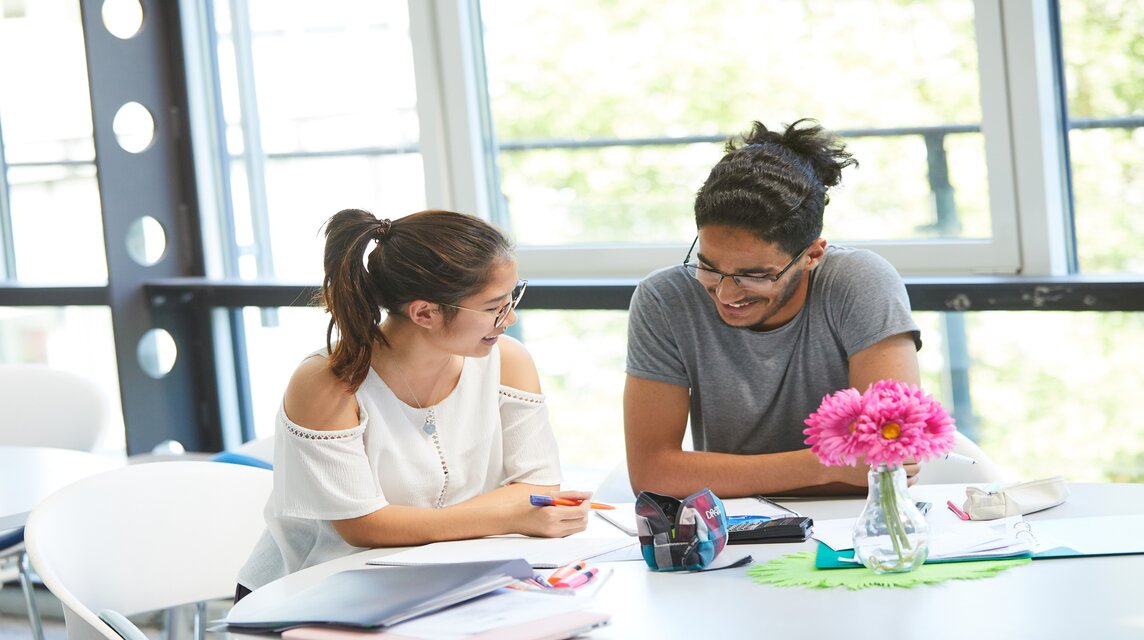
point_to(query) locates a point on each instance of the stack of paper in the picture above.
(541, 553)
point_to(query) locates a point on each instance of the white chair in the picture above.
(258, 452)
(261, 448)
(146, 537)
(45, 407)
(48, 407)
(616, 486)
(948, 472)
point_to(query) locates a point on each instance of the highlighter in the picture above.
(566, 571)
(573, 581)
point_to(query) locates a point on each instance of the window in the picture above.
(611, 122)
(50, 225)
(1102, 45)
(51, 229)
(320, 114)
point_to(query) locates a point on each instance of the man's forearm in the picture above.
(681, 473)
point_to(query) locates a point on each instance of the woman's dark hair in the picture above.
(774, 184)
(439, 256)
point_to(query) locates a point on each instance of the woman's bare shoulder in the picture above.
(317, 399)
(517, 367)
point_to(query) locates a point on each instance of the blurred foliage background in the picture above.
(1052, 392)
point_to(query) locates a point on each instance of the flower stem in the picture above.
(894, 525)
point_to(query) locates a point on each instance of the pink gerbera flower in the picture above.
(832, 429)
(903, 423)
(890, 423)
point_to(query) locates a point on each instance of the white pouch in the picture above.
(1015, 499)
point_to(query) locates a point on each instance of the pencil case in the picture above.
(680, 535)
(1015, 499)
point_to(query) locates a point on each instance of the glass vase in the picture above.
(891, 535)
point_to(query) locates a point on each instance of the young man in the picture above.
(761, 322)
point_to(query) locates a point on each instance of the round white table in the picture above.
(30, 474)
(1092, 597)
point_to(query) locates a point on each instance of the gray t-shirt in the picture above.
(751, 390)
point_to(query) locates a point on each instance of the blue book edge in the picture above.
(828, 558)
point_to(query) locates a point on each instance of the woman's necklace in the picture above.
(430, 429)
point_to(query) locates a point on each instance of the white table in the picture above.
(1091, 597)
(30, 474)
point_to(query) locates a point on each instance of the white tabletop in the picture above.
(30, 474)
(1094, 596)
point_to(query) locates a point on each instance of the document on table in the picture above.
(1087, 536)
(541, 553)
(624, 515)
(967, 540)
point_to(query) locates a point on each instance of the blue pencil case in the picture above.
(680, 535)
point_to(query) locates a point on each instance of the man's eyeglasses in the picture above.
(503, 312)
(748, 281)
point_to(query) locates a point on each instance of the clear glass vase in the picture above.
(891, 535)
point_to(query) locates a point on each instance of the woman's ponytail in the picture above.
(348, 293)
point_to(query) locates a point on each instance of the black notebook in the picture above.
(383, 596)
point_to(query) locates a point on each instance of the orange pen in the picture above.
(549, 501)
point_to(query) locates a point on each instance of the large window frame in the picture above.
(1024, 136)
(1022, 123)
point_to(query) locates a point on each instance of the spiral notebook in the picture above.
(1089, 536)
(1038, 539)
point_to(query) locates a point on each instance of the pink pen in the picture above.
(578, 579)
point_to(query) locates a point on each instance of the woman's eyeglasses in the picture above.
(503, 312)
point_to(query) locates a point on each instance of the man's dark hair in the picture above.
(774, 184)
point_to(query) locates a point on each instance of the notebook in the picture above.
(540, 553)
(374, 598)
(1088, 536)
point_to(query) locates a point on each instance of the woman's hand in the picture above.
(552, 522)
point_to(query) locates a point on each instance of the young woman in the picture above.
(420, 424)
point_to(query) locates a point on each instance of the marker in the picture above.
(956, 510)
(957, 457)
(549, 501)
(573, 581)
(566, 571)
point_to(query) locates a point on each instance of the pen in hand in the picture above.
(549, 501)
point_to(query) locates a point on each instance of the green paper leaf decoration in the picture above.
(798, 570)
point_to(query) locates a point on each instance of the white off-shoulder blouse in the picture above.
(491, 435)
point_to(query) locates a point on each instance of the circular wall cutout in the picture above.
(146, 241)
(122, 18)
(134, 127)
(156, 353)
